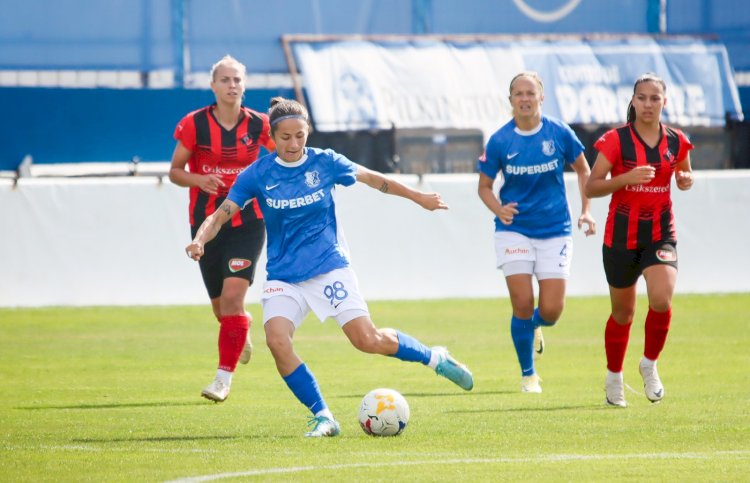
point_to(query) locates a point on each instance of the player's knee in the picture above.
(660, 304)
(623, 316)
(550, 315)
(278, 343)
(366, 342)
(232, 305)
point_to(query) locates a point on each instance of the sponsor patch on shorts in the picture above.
(666, 255)
(237, 264)
(517, 251)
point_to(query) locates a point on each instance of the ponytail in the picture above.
(631, 113)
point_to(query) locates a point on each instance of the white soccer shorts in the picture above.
(334, 294)
(548, 258)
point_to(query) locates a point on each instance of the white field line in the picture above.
(539, 459)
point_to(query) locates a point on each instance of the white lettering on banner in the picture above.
(687, 105)
(598, 74)
(419, 110)
(296, 202)
(437, 85)
(533, 169)
(594, 103)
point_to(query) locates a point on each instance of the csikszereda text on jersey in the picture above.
(531, 164)
(297, 200)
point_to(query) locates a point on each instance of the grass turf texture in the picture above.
(112, 394)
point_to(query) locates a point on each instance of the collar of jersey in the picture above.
(299, 162)
(529, 132)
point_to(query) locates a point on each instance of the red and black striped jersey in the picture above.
(216, 150)
(640, 215)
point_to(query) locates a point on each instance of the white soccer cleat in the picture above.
(530, 384)
(652, 385)
(615, 388)
(217, 391)
(322, 427)
(538, 343)
(247, 351)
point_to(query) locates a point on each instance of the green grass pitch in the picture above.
(112, 394)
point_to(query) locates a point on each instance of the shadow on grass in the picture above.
(162, 439)
(531, 409)
(437, 394)
(114, 405)
(155, 439)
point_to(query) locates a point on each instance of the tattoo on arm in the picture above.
(384, 187)
(226, 208)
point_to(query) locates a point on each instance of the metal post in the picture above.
(180, 41)
(421, 15)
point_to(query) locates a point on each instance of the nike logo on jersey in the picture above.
(270, 187)
(511, 156)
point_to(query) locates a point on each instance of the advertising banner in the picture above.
(354, 85)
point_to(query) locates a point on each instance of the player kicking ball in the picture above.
(308, 262)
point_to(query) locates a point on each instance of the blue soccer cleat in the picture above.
(453, 370)
(322, 427)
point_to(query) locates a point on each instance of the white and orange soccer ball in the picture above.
(383, 412)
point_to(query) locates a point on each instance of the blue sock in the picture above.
(522, 332)
(538, 320)
(410, 349)
(304, 386)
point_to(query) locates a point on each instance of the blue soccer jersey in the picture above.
(297, 200)
(532, 165)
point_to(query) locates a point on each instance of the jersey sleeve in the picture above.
(265, 135)
(685, 146)
(489, 161)
(573, 145)
(245, 187)
(185, 132)
(609, 145)
(345, 170)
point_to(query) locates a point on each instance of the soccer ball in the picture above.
(383, 412)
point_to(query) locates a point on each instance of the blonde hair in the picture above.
(530, 74)
(228, 60)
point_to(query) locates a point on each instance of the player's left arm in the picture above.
(384, 184)
(683, 174)
(581, 167)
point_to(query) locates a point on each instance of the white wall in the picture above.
(120, 241)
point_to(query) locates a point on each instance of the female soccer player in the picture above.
(532, 218)
(217, 142)
(308, 264)
(640, 235)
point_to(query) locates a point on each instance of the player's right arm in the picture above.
(179, 175)
(210, 228)
(599, 185)
(504, 213)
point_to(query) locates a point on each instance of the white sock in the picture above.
(224, 376)
(325, 412)
(614, 375)
(434, 359)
